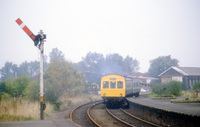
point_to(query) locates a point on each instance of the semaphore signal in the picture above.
(35, 38)
(38, 42)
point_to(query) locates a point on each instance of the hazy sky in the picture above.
(142, 29)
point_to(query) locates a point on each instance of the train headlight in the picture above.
(121, 94)
(104, 94)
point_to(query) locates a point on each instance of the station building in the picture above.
(186, 75)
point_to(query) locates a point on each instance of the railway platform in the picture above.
(41, 123)
(191, 109)
(165, 113)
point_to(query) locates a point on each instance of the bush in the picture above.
(32, 91)
(5, 96)
(156, 88)
(196, 88)
(184, 87)
(160, 89)
(175, 88)
(167, 90)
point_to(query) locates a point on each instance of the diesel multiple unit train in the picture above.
(115, 89)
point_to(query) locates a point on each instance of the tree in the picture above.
(10, 88)
(94, 65)
(32, 91)
(2, 89)
(92, 62)
(15, 87)
(56, 54)
(113, 64)
(20, 87)
(29, 69)
(8, 71)
(130, 65)
(91, 66)
(61, 76)
(20, 84)
(160, 64)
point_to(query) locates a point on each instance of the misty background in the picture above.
(143, 30)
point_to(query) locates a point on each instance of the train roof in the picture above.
(123, 75)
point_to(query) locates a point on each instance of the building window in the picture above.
(190, 83)
(177, 78)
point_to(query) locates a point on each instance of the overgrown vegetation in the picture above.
(171, 89)
(16, 109)
(21, 87)
(6, 117)
(60, 77)
(196, 88)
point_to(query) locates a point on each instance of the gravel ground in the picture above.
(100, 115)
(63, 114)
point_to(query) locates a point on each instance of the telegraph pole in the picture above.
(36, 39)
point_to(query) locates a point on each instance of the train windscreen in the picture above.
(105, 84)
(112, 84)
(120, 85)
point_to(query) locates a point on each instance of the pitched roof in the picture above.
(193, 71)
(190, 70)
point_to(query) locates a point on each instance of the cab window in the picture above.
(112, 84)
(105, 84)
(120, 85)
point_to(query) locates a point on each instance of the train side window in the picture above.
(105, 84)
(120, 85)
(112, 84)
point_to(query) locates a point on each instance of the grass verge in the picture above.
(6, 117)
(21, 109)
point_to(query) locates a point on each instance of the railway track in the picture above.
(129, 119)
(102, 118)
(95, 114)
(80, 115)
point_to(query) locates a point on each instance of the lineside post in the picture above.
(38, 38)
(41, 47)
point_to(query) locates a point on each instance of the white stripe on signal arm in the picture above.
(22, 25)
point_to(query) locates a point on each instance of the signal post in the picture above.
(38, 42)
(41, 47)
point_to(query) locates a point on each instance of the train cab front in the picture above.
(113, 101)
(113, 89)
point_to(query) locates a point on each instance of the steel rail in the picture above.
(71, 113)
(90, 117)
(122, 121)
(147, 122)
